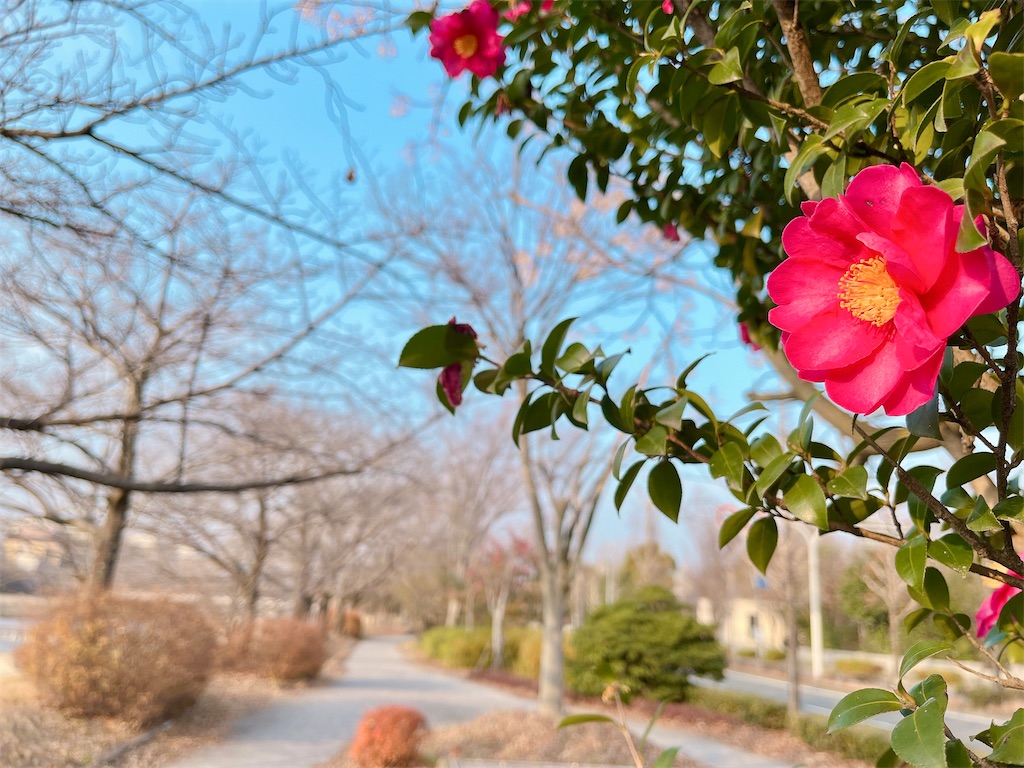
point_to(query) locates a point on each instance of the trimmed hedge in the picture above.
(646, 643)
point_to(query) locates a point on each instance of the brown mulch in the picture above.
(525, 736)
(702, 722)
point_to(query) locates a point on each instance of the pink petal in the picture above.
(803, 289)
(874, 194)
(834, 340)
(915, 388)
(1006, 283)
(915, 342)
(801, 241)
(965, 288)
(451, 383)
(861, 388)
(923, 226)
(989, 610)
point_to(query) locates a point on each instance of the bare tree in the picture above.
(879, 575)
(501, 566)
(150, 264)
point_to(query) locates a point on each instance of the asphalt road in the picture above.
(820, 701)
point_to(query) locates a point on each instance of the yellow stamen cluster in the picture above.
(465, 46)
(868, 293)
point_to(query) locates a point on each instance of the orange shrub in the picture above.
(352, 625)
(106, 656)
(282, 649)
(388, 736)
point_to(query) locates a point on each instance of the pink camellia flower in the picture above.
(745, 338)
(518, 9)
(989, 610)
(873, 288)
(468, 39)
(451, 376)
(670, 232)
(667, 7)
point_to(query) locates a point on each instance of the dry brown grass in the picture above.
(524, 736)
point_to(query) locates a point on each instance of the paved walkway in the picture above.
(311, 726)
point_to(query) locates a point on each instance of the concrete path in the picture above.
(312, 725)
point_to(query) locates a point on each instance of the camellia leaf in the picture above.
(627, 482)
(653, 442)
(666, 490)
(436, 347)
(553, 345)
(1007, 70)
(1008, 740)
(918, 652)
(806, 500)
(728, 70)
(951, 550)
(762, 538)
(851, 483)
(584, 718)
(733, 524)
(666, 759)
(860, 705)
(910, 561)
(727, 462)
(970, 467)
(770, 475)
(920, 737)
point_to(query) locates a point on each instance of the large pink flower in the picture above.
(873, 288)
(989, 610)
(469, 40)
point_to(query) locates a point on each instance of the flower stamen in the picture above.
(868, 293)
(465, 46)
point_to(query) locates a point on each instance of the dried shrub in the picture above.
(388, 736)
(352, 625)
(282, 649)
(104, 656)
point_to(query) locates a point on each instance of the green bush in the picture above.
(106, 656)
(647, 644)
(859, 743)
(775, 654)
(455, 647)
(526, 661)
(857, 669)
(743, 706)
(862, 743)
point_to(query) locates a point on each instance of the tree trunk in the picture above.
(303, 606)
(552, 659)
(470, 611)
(451, 616)
(894, 638)
(792, 641)
(498, 628)
(107, 544)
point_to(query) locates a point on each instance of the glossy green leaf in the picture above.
(911, 559)
(952, 551)
(924, 78)
(851, 483)
(626, 483)
(970, 467)
(1008, 740)
(437, 347)
(579, 176)
(733, 524)
(671, 415)
(918, 652)
(1010, 509)
(810, 150)
(653, 442)
(934, 592)
(771, 474)
(553, 345)
(665, 489)
(583, 718)
(728, 70)
(765, 449)
(806, 500)
(924, 421)
(920, 738)
(981, 519)
(860, 705)
(1007, 70)
(762, 538)
(727, 462)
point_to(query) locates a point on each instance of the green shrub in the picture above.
(743, 706)
(455, 647)
(105, 656)
(858, 743)
(775, 654)
(857, 669)
(647, 644)
(526, 662)
(746, 653)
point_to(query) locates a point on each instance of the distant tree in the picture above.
(646, 565)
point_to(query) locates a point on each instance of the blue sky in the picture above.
(392, 91)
